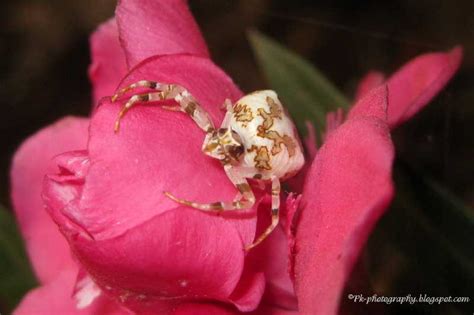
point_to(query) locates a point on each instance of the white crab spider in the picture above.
(256, 140)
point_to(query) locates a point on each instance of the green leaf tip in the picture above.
(305, 91)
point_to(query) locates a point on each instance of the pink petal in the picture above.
(46, 247)
(178, 255)
(85, 290)
(249, 291)
(292, 205)
(418, 82)
(296, 183)
(108, 65)
(157, 27)
(374, 104)
(119, 222)
(347, 189)
(183, 235)
(271, 257)
(203, 309)
(56, 298)
(62, 192)
(155, 151)
(214, 309)
(266, 309)
(279, 291)
(333, 121)
(371, 80)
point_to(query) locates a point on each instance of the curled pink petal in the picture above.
(342, 199)
(47, 249)
(249, 290)
(179, 255)
(62, 191)
(108, 65)
(55, 297)
(370, 81)
(158, 27)
(417, 82)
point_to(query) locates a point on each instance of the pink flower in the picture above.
(134, 250)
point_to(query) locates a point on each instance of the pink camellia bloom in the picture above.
(124, 248)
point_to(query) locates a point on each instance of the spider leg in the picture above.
(138, 98)
(143, 83)
(186, 102)
(245, 201)
(227, 105)
(275, 214)
(226, 121)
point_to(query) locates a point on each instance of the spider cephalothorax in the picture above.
(256, 140)
(225, 145)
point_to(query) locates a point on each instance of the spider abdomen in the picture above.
(271, 143)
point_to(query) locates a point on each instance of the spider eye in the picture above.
(221, 132)
(235, 151)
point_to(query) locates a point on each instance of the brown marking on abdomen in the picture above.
(278, 141)
(262, 158)
(243, 114)
(275, 112)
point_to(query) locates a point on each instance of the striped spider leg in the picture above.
(275, 214)
(222, 145)
(186, 102)
(245, 200)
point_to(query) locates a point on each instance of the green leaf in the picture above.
(16, 277)
(306, 93)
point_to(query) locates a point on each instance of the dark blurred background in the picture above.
(44, 56)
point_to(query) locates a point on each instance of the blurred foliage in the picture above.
(424, 244)
(304, 90)
(16, 276)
